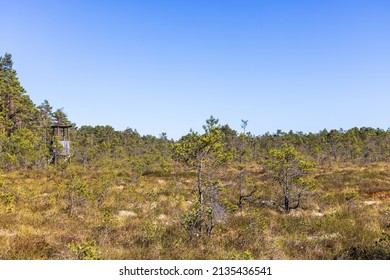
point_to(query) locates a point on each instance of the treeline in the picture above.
(94, 145)
(25, 137)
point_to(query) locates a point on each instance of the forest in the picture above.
(218, 194)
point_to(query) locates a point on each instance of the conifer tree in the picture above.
(16, 108)
(205, 153)
(19, 120)
(289, 170)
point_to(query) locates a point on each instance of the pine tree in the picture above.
(16, 108)
(19, 121)
(205, 153)
(289, 170)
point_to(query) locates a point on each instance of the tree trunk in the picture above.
(200, 187)
(200, 194)
(286, 196)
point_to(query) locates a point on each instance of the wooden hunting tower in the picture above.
(60, 143)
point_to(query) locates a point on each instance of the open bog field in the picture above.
(109, 213)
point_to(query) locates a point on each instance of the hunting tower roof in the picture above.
(60, 126)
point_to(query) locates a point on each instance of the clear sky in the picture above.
(166, 66)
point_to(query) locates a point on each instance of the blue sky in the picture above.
(166, 66)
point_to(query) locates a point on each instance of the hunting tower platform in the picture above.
(60, 143)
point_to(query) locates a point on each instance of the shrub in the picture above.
(86, 250)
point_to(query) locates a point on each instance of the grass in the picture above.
(81, 213)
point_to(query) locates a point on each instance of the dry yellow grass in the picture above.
(115, 217)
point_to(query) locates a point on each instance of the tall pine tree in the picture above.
(19, 120)
(16, 108)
